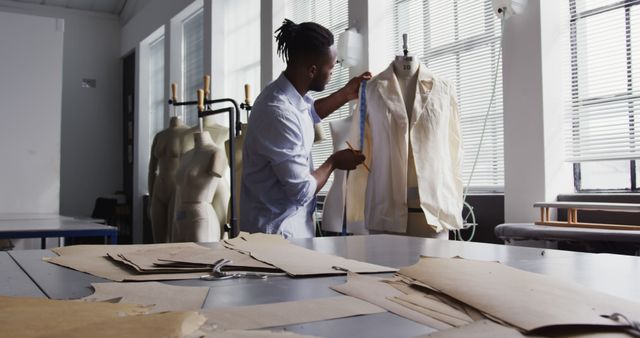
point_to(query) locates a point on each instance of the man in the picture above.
(279, 183)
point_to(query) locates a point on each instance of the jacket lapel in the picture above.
(389, 90)
(398, 128)
(424, 87)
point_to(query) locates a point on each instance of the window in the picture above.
(459, 40)
(156, 87)
(601, 138)
(192, 63)
(334, 15)
(241, 48)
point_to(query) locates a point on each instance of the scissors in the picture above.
(218, 274)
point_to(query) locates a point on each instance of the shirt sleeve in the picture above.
(312, 109)
(282, 144)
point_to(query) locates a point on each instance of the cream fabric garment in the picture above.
(436, 142)
(334, 204)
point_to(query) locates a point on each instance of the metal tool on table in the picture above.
(218, 274)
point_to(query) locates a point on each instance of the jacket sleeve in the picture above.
(456, 150)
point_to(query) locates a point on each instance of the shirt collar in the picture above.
(297, 100)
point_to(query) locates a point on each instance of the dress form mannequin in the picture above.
(333, 214)
(405, 67)
(318, 133)
(406, 70)
(219, 135)
(163, 164)
(197, 177)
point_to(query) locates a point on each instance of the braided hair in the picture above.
(295, 40)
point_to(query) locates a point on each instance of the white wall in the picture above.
(91, 142)
(148, 17)
(31, 95)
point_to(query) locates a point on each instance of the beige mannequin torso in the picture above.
(219, 135)
(198, 176)
(163, 164)
(407, 74)
(334, 204)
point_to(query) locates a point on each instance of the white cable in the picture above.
(457, 233)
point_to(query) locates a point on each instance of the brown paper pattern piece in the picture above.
(287, 313)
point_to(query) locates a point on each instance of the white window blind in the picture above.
(605, 83)
(459, 40)
(241, 48)
(334, 15)
(156, 87)
(192, 63)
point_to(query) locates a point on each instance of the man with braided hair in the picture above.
(279, 182)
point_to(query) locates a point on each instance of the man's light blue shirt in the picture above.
(278, 191)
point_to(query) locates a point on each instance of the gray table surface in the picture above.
(14, 281)
(613, 274)
(51, 224)
(56, 226)
(24, 215)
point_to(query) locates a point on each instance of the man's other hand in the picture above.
(347, 159)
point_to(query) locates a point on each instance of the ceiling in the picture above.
(101, 6)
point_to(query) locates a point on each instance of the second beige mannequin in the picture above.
(219, 134)
(197, 178)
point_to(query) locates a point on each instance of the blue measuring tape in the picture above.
(363, 115)
(363, 112)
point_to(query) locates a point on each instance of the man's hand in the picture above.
(329, 104)
(347, 159)
(344, 159)
(350, 90)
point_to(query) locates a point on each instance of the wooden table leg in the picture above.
(547, 214)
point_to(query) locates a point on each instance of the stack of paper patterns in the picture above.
(152, 262)
(451, 293)
(260, 253)
(295, 260)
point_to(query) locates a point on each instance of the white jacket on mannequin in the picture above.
(434, 133)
